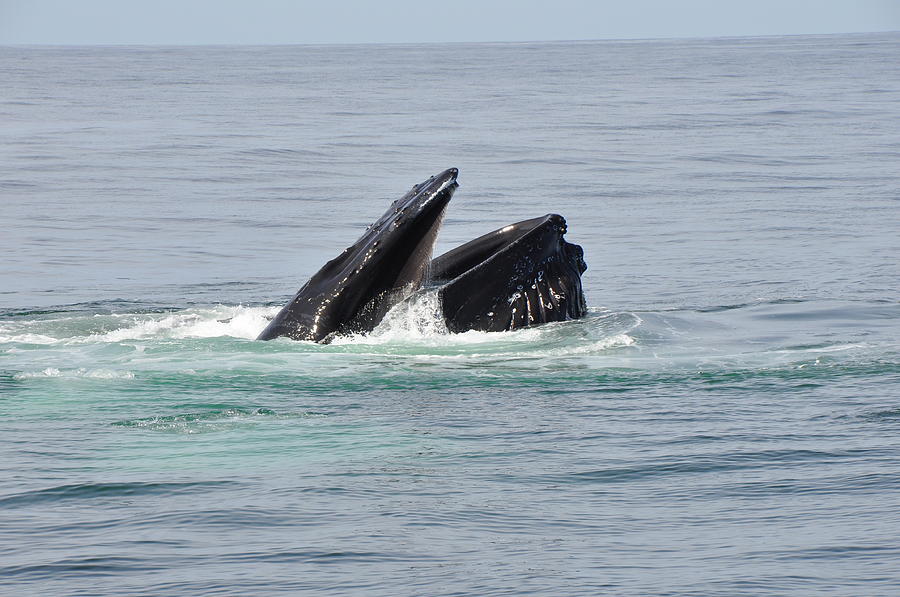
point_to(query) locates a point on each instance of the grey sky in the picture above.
(357, 21)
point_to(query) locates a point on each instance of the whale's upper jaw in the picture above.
(352, 292)
(398, 246)
(418, 206)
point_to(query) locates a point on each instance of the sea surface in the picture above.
(726, 420)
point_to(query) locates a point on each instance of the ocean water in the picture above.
(726, 421)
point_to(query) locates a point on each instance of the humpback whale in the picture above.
(519, 275)
(353, 291)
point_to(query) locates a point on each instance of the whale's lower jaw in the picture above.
(520, 275)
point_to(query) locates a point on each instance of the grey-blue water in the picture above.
(725, 422)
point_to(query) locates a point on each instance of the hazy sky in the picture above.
(358, 21)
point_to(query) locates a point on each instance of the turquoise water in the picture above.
(724, 421)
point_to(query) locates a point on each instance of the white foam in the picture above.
(48, 372)
(235, 322)
(419, 323)
(834, 348)
(75, 373)
(415, 319)
(414, 326)
(27, 339)
(617, 341)
(230, 321)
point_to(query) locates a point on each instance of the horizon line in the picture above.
(454, 42)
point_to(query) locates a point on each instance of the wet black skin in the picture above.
(352, 292)
(520, 275)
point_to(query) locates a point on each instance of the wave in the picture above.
(235, 322)
(64, 327)
(214, 346)
(92, 491)
(210, 421)
(75, 373)
(415, 325)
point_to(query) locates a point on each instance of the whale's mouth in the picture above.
(520, 275)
